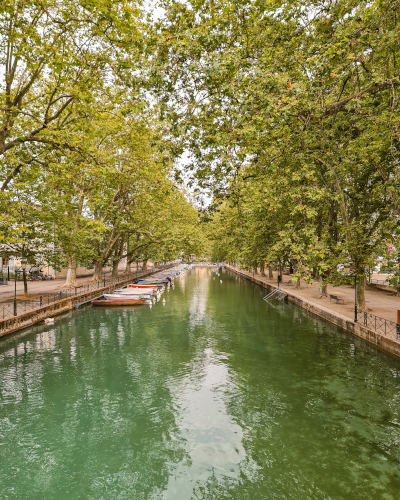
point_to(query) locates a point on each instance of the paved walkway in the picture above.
(382, 303)
(37, 288)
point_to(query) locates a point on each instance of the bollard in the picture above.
(40, 301)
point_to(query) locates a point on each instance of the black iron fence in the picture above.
(379, 325)
(10, 309)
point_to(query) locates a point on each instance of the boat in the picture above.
(135, 294)
(118, 302)
(158, 284)
(153, 280)
(138, 286)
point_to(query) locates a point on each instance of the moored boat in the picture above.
(118, 302)
(135, 294)
(136, 285)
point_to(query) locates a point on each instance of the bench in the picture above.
(335, 297)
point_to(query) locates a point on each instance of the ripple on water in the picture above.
(216, 395)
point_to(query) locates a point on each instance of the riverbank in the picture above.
(24, 320)
(47, 287)
(327, 310)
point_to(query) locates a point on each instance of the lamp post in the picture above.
(15, 292)
(355, 298)
(23, 265)
(279, 273)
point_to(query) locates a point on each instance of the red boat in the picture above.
(118, 302)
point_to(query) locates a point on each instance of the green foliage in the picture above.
(81, 164)
(291, 112)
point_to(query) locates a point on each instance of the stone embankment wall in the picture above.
(387, 344)
(27, 319)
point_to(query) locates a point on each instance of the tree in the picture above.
(301, 100)
(32, 235)
(57, 57)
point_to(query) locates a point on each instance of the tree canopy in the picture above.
(290, 111)
(287, 112)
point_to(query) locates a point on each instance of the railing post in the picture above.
(40, 301)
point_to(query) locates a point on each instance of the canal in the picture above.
(214, 395)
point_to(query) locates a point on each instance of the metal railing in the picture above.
(22, 306)
(379, 282)
(277, 293)
(379, 325)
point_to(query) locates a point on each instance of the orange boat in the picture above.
(118, 302)
(142, 286)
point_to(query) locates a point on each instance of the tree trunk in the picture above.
(298, 283)
(361, 292)
(323, 289)
(144, 266)
(118, 256)
(25, 283)
(270, 273)
(128, 266)
(255, 270)
(115, 269)
(262, 269)
(98, 267)
(70, 280)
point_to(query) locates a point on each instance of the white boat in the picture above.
(114, 296)
(124, 293)
(145, 288)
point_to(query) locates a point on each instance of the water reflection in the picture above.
(214, 396)
(213, 439)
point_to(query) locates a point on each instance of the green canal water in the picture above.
(214, 395)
